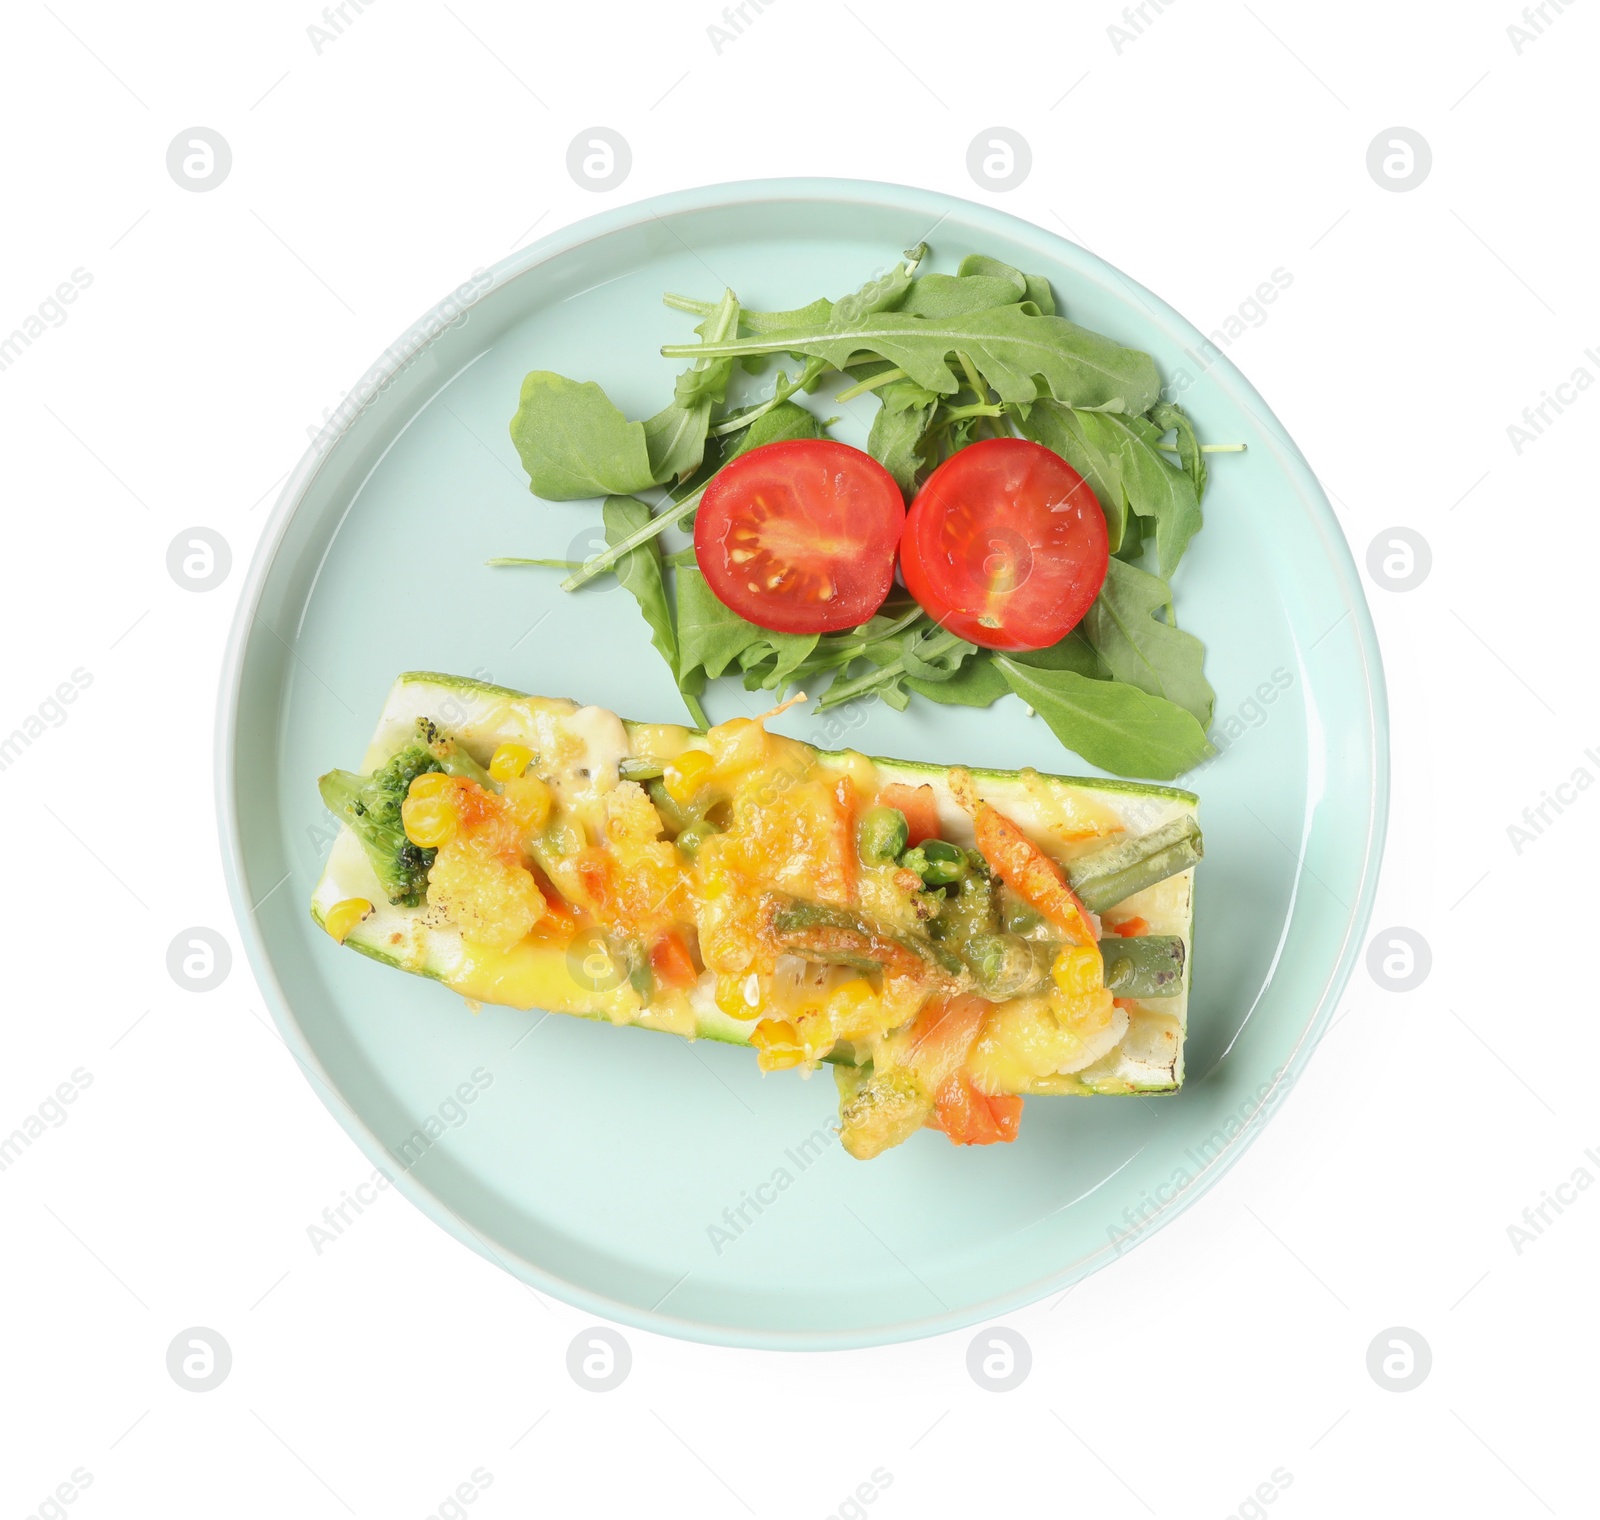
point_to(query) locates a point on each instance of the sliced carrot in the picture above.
(671, 962)
(961, 1113)
(943, 1033)
(920, 807)
(1131, 928)
(595, 872)
(970, 1117)
(1030, 873)
(1006, 1110)
(844, 793)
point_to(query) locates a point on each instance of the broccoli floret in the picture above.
(371, 806)
(451, 754)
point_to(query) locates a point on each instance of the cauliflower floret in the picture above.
(631, 817)
(492, 900)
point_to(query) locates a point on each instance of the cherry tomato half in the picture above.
(1005, 545)
(799, 536)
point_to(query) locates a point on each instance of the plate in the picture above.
(670, 1185)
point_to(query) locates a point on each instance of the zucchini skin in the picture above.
(911, 771)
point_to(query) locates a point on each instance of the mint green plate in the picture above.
(670, 1185)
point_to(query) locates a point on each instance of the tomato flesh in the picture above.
(1005, 545)
(799, 536)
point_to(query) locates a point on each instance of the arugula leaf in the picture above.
(1141, 649)
(675, 440)
(982, 264)
(1168, 414)
(787, 420)
(922, 652)
(896, 441)
(675, 437)
(710, 635)
(574, 443)
(948, 295)
(773, 661)
(776, 321)
(712, 638)
(1120, 459)
(882, 293)
(976, 683)
(1029, 287)
(1009, 348)
(1111, 724)
(1133, 536)
(1071, 653)
(1040, 293)
(640, 571)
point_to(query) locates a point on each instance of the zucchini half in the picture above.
(1147, 1059)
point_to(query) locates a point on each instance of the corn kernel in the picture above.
(777, 1044)
(854, 1009)
(1078, 969)
(510, 761)
(733, 996)
(343, 916)
(683, 776)
(429, 784)
(528, 798)
(429, 821)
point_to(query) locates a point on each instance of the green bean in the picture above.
(1145, 966)
(1113, 873)
(844, 937)
(674, 816)
(690, 839)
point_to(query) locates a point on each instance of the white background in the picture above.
(1221, 143)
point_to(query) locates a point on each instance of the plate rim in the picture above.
(395, 358)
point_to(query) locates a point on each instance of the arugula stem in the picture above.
(742, 349)
(784, 389)
(549, 564)
(688, 303)
(932, 647)
(853, 644)
(861, 387)
(1209, 448)
(980, 409)
(696, 711)
(979, 389)
(598, 564)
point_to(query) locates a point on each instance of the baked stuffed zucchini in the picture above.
(949, 940)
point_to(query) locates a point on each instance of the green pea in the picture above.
(937, 863)
(881, 835)
(690, 840)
